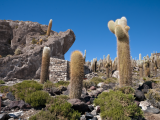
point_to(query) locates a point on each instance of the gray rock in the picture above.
(95, 118)
(4, 116)
(88, 115)
(20, 104)
(91, 108)
(10, 96)
(94, 112)
(6, 102)
(139, 95)
(79, 105)
(92, 88)
(15, 114)
(152, 110)
(83, 117)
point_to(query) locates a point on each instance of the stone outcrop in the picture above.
(24, 35)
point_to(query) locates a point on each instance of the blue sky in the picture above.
(89, 18)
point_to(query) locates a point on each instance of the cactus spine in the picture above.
(49, 27)
(45, 64)
(120, 29)
(76, 73)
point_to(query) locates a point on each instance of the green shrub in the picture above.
(61, 98)
(88, 84)
(153, 94)
(48, 85)
(144, 78)
(97, 80)
(59, 109)
(126, 90)
(110, 80)
(34, 41)
(23, 89)
(5, 89)
(63, 111)
(16, 27)
(62, 83)
(2, 82)
(116, 105)
(43, 115)
(37, 98)
(18, 52)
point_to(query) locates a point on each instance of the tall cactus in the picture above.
(49, 27)
(76, 74)
(111, 68)
(140, 56)
(140, 68)
(45, 65)
(146, 69)
(155, 65)
(120, 29)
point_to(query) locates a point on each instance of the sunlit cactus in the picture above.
(146, 69)
(76, 74)
(45, 65)
(120, 29)
(49, 27)
(140, 56)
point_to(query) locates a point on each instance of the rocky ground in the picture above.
(19, 110)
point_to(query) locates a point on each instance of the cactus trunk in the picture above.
(45, 65)
(49, 27)
(120, 29)
(155, 71)
(76, 74)
(141, 72)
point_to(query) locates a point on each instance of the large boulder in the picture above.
(20, 35)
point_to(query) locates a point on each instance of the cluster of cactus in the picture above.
(45, 65)
(115, 64)
(40, 42)
(140, 65)
(155, 64)
(94, 65)
(107, 65)
(18, 51)
(76, 74)
(120, 29)
(148, 64)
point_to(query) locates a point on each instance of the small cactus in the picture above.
(141, 68)
(76, 74)
(146, 69)
(155, 71)
(107, 69)
(40, 41)
(49, 27)
(45, 65)
(18, 52)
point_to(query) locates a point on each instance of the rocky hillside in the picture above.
(21, 45)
